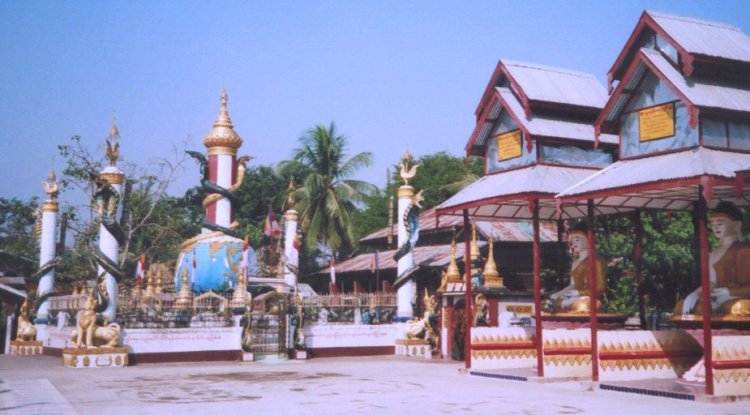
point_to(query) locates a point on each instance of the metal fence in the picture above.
(365, 308)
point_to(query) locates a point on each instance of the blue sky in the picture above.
(391, 74)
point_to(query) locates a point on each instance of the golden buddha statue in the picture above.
(729, 268)
(574, 298)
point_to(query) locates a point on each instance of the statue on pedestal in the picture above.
(88, 332)
(574, 298)
(26, 329)
(729, 268)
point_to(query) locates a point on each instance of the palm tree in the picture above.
(327, 197)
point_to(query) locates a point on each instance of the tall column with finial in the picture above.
(291, 246)
(407, 290)
(222, 143)
(47, 247)
(108, 204)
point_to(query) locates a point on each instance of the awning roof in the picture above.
(667, 181)
(507, 195)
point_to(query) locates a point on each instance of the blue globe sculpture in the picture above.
(218, 262)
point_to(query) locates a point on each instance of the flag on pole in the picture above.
(271, 226)
(333, 271)
(140, 268)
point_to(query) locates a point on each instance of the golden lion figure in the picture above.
(26, 329)
(421, 328)
(87, 332)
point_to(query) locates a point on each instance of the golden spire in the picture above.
(222, 139)
(290, 201)
(491, 275)
(454, 275)
(185, 296)
(474, 252)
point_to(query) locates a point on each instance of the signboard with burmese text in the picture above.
(509, 145)
(656, 122)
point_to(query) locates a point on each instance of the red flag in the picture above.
(271, 226)
(140, 268)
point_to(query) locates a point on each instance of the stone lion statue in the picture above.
(91, 335)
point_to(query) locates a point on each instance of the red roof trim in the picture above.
(707, 181)
(517, 120)
(489, 88)
(478, 128)
(642, 58)
(518, 90)
(522, 198)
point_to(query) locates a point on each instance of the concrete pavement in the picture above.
(361, 385)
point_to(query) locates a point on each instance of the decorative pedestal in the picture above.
(416, 348)
(502, 348)
(25, 347)
(731, 364)
(95, 358)
(567, 353)
(300, 354)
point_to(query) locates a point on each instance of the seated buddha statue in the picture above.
(574, 298)
(729, 268)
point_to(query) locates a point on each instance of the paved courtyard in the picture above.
(363, 385)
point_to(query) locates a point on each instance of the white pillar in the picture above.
(47, 253)
(8, 331)
(109, 245)
(224, 179)
(407, 291)
(290, 232)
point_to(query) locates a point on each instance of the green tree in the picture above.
(327, 197)
(17, 219)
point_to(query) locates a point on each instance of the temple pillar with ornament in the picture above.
(111, 180)
(47, 248)
(407, 235)
(291, 244)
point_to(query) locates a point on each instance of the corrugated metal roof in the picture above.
(547, 127)
(505, 195)
(704, 37)
(512, 231)
(549, 84)
(692, 163)
(424, 256)
(700, 94)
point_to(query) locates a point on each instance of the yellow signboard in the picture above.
(518, 309)
(509, 145)
(656, 122)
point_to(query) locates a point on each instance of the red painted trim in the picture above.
(478, 129)
(593, 297)
(655, 185)
(213, 173)
(497, 200)
(489, 88)
(352, 351)
(467, 294)
(661, 354)
(562, 351)
(503, 346)
(518, 90)
(612, 74)
(538, 332)
(701, 207)
(731, 364)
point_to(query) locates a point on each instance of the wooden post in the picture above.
(592, 291)
(538, 293)
(701, 208)
(638, 261)
(467, 292)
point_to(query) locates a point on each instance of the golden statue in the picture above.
(729, 268)
(422, 328)
(88, 333)
(575, 297)
(407, 171)
(482, 311)
(26, 329)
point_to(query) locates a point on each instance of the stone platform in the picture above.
(26, 347)
(82, 358)
(414, 348)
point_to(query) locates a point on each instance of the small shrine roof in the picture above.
(556, 85)
(507, 195)
(667, 181)
(532, 125)
(700, 94)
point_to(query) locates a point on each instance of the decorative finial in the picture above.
(491, 274)
(50, 185)
(222, 137)
(113, 144)
(453, 273)
(474, 252)
(290, 201)
(407, 170)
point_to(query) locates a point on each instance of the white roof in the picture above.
(669, 168)
(547, 127)
(506, 195)
(705, 38)
(545, 83)
(701, 94)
